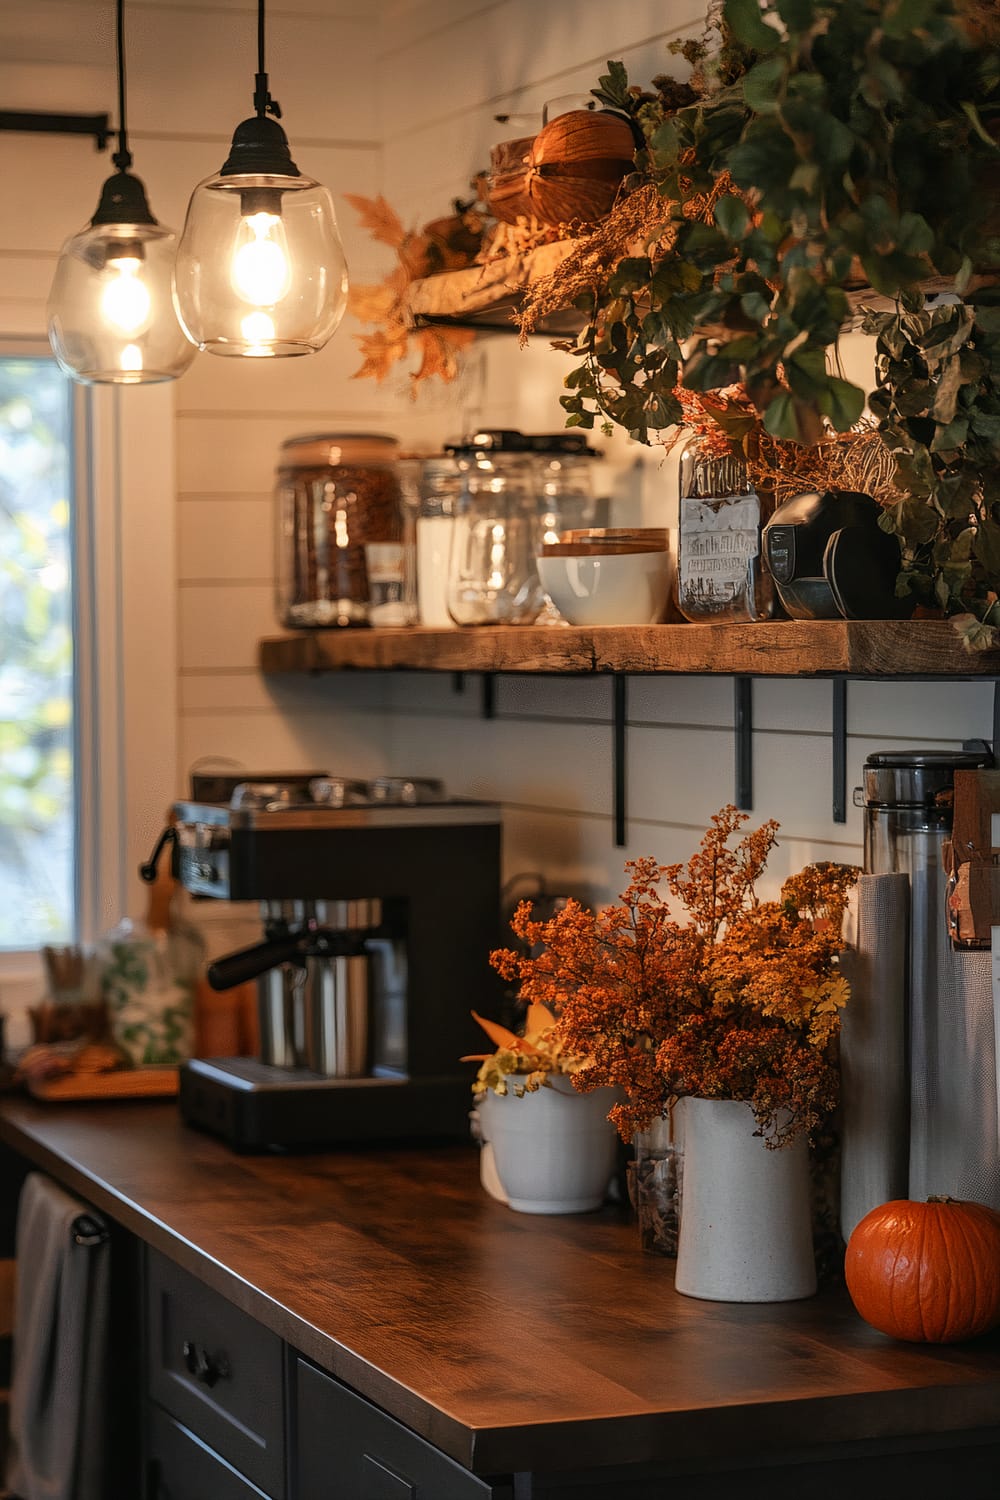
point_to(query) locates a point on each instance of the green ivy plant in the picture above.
(937, 403)
(836, 142)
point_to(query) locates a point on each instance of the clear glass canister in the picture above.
(498, 528)
(440, 487)
(340, 529)
(566, 484)
(719, 572)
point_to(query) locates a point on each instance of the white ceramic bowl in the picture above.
(630, 588)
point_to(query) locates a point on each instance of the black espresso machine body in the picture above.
(431, 872)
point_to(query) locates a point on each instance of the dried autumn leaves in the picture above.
(442, 245)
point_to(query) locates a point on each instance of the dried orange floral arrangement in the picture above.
(742, 1001)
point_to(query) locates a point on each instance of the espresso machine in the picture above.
(380, 905)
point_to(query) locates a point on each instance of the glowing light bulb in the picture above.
(260, 271)
(125, 301)
(258, 330)
(131, 358)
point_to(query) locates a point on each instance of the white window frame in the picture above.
(125, 656)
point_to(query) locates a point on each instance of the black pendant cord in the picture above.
(123, 156)
(123, 197)
(262, 101)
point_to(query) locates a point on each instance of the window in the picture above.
(37, 713)
(88, 721)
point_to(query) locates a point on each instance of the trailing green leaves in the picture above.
(938, 405)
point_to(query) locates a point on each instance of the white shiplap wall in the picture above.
(401, 98)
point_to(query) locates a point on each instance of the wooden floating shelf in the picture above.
(487, 297)
(785, 648)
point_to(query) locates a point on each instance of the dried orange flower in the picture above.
(741, 1001)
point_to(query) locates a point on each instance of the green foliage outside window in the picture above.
(36, 656)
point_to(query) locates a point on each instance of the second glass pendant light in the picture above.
(260, 268)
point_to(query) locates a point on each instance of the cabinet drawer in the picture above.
(349, 1450)
(218, 1371)
(182, 1468)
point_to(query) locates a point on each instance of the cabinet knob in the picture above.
(205, 1367)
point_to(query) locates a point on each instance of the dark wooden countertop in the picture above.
(509, 1341)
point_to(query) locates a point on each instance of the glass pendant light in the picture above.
(111, 314)
(260, 267)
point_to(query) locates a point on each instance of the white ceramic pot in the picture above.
(746, 1228)
(554, 1150)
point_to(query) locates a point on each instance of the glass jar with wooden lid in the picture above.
(340, 530)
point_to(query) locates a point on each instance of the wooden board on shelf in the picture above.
(123, 1083)
(781, 648)
(487, 296)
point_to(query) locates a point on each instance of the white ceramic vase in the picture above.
(746, 1228)
(554, 1149)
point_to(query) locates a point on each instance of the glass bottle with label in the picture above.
(720, 577)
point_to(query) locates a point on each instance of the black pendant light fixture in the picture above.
(111, 314)
(260, 268)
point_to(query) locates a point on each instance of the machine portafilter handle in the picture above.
(250, 963)
(147, 872)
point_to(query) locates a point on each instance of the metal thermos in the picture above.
(908, 798)
(908, 802)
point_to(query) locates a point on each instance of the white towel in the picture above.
(59, 1382)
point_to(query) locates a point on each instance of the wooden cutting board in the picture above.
(128, 1083)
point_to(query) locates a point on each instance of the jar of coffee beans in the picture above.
(340, 527)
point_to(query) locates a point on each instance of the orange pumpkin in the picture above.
(576, 164)
(927, 1272)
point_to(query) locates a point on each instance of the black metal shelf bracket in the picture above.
(489, 698)
(37, 122)
(619, 733)
(743, 735)
(840, 749)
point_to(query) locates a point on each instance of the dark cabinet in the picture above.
(218, 1372)
(180, 1467)
(346, 1449)
(215, 1415)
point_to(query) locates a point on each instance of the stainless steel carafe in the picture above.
(336, 1006)
(336, 997)
(314, 1010)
